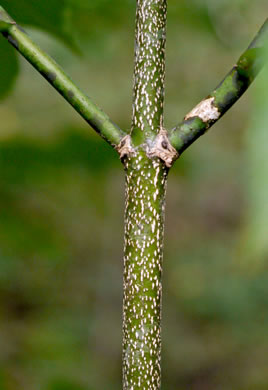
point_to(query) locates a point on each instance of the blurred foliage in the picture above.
(9, 67)
(61, 205)
(256, 225)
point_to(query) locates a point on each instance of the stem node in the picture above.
(163, 149)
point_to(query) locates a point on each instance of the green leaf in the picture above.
(8, 67)
(48, 15)
(95, 19)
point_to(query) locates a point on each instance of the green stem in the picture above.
(149, 72)
(211, 109)
(146, 176)
(144, 230)
(54, 74)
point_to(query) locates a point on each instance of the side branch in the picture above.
(209, 110)
(55, 75)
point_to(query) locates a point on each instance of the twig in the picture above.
(55, 75)
(211, 109)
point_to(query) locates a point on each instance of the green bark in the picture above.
(149, 72)
(145, 206)
(144, 229)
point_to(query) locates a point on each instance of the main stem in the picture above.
(145, 203)
(146, 179)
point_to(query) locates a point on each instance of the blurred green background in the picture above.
(62, 201)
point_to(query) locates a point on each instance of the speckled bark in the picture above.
(146, 176)
(149, 73)
(144, 229)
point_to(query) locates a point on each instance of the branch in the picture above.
(211, 109)
(54, 74)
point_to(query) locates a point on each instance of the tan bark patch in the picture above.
(205, 110)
